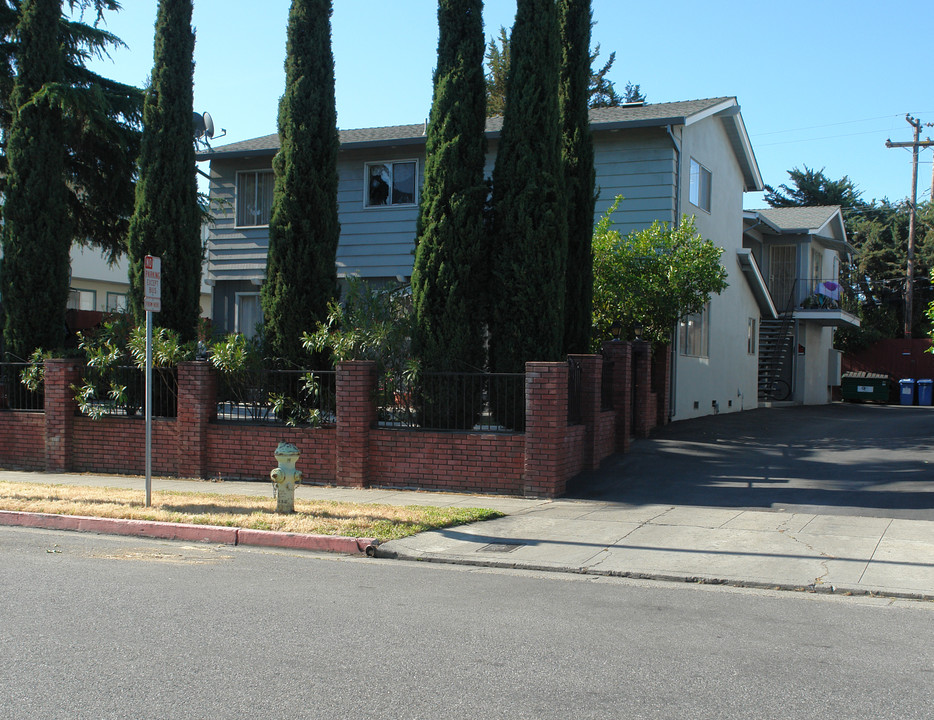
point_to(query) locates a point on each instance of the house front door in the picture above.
(782, 271)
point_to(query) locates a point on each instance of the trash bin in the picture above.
(924, 391)
(860, 386)
(907, 393)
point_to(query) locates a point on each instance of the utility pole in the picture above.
(915, 145)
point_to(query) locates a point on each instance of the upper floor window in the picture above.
(700, 186)
(81, 299)
(254, 197)
(391, 183)
(693, 333)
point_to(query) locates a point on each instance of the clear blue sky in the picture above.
(820, 83)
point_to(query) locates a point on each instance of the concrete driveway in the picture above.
(839, 459)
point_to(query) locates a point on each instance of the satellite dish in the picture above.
(199, 125)
(208, 124)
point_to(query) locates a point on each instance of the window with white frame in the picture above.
(254, 197)
(391, 183)
(81, 299)
(247, 314)
(116, 302)
(693, 332)
(700, 186)
(751, 336)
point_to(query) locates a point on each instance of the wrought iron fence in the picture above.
(487, 402)
(14, 395)
(121, 391)
(282, 396)
(575, 373)
(606, 386)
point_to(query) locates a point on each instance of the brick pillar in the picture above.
(356, 413)
(591, 378)
(620, 354)
(60, 409)
(546, 422)
(646, 409)
(661, 380)
(197, 407)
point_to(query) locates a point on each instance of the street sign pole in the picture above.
(148, 408)
(152, 302)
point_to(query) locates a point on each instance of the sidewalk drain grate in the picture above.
(500, 547)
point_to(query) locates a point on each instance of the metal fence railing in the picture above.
(575, 374)
(487, 402)
(606, 386)
(121, 391)
(14, 395)
(289, 397)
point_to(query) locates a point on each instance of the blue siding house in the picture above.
(667, 159)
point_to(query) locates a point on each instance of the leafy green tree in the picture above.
(36, 244)
(301, 276)
(813, 187)
(529, 259)
(574, 18)
(601, 90)
(448, 280)
(166, 220)
(654, 276)
(100, 124)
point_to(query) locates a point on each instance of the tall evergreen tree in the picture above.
(36, 236)
(101, 120)
(301, 275)
(450, 258)
(166, 220)
(577, 152)
(529, 212)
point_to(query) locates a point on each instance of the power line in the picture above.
(826, 137)
(843, 122)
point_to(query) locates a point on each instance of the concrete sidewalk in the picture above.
(824, 553)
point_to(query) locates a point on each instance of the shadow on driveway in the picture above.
(871, 460)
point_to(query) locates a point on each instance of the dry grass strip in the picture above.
(383, 522)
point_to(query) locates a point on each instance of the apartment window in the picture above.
(700, 186)
(247, 314)
(751, 336)
(116, 302)
(82, 299)
(817, 265)
(391, 183)
(693, 332)
(254, 198)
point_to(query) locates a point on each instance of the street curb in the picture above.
(192, 533)
(386, 554)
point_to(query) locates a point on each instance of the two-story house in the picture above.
(666, 159)
(794, 255)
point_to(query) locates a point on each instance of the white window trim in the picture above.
(705, 330)
(366, 183)
(237, 197)
(751, 336)
(115, 294)
(703, 169)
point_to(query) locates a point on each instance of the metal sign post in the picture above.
(152, 302)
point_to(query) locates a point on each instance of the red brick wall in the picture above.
(118, 445)
(22, 440)
(471, 462)
(245, 452)
(605, 432)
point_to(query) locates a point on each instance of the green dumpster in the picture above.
(865, 386)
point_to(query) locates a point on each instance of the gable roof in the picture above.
(824, 221)
(685, 113)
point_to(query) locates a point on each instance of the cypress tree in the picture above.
(577, 152)
(301, 276)
(36, 236)
(448, 278)
(166, 220)
(529, 216)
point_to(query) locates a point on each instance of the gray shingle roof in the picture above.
(601, 118)
(799, 219)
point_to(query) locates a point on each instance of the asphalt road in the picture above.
(108, 627)
(846, 459)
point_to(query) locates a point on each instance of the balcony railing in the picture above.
(821, 294)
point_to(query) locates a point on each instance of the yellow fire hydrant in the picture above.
(286, 477)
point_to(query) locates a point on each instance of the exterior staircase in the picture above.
(775, 339)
